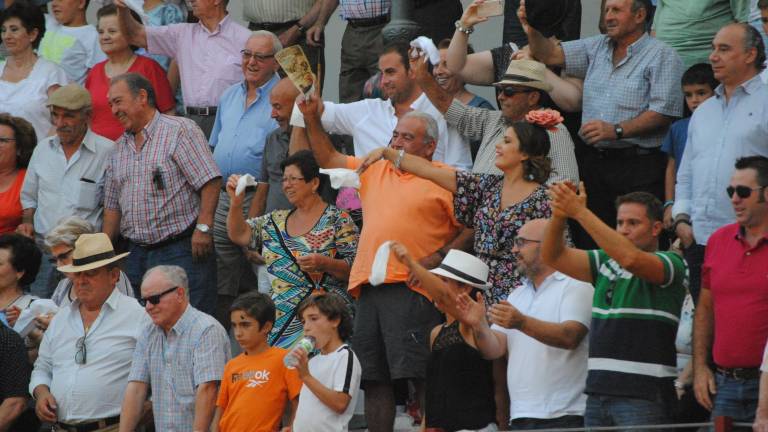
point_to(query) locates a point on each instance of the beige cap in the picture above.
(71, 97)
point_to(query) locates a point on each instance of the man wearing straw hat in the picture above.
(82, 368)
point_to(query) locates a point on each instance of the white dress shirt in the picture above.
(546, 382)
(57, 187)
(93, 390)
(370, 122)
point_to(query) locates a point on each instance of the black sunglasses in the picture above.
(510, 91)
(741, 191)
(155, 299)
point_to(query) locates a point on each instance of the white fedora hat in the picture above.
(526, 73)
(465, 268)
(91, 251)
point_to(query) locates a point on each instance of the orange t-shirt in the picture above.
(10, 204)
(402, 207)
(254, 391)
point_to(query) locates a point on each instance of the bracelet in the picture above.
(668, 203)
(466, 30)
(399, 159)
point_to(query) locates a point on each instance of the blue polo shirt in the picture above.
(239, 132)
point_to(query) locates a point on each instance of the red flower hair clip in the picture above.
(545, 118)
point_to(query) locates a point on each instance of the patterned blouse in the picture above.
(477, 205)
(334, 235)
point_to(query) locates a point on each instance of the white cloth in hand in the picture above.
(342, 177)
(243, 182)
(426, 45)
(26, 321)
(379, 267)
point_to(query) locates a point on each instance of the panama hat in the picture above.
(465, 268)
(91, 251)
(528, 73)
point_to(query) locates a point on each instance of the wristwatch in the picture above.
(619, 130)
(203, 228)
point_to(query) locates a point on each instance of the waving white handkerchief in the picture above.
(243, 182)
(342, 177)
(425, 44)
(379, 267)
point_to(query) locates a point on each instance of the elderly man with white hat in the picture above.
(65, 176)
(84, 359)
(541, 328)
(520, 91)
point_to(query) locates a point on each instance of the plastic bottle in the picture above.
(306, 344)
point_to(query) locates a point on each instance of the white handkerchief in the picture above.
(342, 177)
(243, 182)
(138, 7)
(379, 267)
(26, 321)
(425, 44)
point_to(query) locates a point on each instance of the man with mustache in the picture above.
(65, 176)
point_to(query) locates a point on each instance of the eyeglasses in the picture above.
(5, 141)
(61, 257)
(247, 56)
(522, 241)
(510, 91)
(741, 191)
(80, 354)
(155, 299)
(292, 179)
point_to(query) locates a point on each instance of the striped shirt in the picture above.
(489, 126)
(646, 79)
(362, 9)
(193, 352)
(155, 189)
(625, 311)
(275, 11)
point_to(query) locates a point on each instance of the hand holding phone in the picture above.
(490, 8)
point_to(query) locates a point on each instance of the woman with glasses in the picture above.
(19, 263)
(27, 80)
(496, 206)
(121, 58)
(308, 249)
(17, 141)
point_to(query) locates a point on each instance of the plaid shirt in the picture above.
(362, 9)
(646, 79)
(194, 352)
(155, 189)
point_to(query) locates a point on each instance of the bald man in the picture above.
(546, 320)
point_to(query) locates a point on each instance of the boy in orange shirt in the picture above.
(256, 385)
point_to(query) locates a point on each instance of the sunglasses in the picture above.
(741, 191)
(522, 241)
(155, 299)
(510, 91)
(80, 354)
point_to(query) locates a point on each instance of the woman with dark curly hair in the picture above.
(19, 263)
(496, 206)
(27, 80)
(17, 141)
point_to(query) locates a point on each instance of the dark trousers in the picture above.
(607, 178)
(360, 48)
(564, 422)
(205, 123)
(694, 256)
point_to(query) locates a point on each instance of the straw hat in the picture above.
(92, 251)
(528, 73)
(465, 268)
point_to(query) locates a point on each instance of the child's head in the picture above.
(325, 317)
(763, 6)
(699, 84)
(69, 12)
(252, 315)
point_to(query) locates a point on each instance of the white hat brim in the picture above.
(449, 275)
(90, 266)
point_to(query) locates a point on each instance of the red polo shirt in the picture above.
(737, 276)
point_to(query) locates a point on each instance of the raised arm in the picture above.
(326, 155)
(237, 229)
(565, 335)
(133, 30)
(542, 48)
(441, 176)
(435, 287)
(554, 252)
(474, 68)
(471, 312)
(440, 98)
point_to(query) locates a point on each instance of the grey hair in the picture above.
(135, 83)
(431, 132)
(276, 44)
(67, 231)
(753, 39)
(173, 274)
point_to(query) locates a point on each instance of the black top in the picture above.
(459, 384)
(16, 370)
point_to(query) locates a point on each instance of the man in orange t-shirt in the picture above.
(393, 319)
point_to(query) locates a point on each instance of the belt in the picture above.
(271, 26)
(368, 22)
(172, 239)
(90, 426)
(623, 153)
(739, 373)
(201, 111)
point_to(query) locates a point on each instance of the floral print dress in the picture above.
(477, 204)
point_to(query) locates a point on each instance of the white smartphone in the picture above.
(490, 8)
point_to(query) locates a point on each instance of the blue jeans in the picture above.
(201, 274)
(736, 398)
(623, 411)
(564, 422)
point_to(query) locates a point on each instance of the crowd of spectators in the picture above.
(190, 242)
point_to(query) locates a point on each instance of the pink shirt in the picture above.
(209, 62)
(737, 276)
